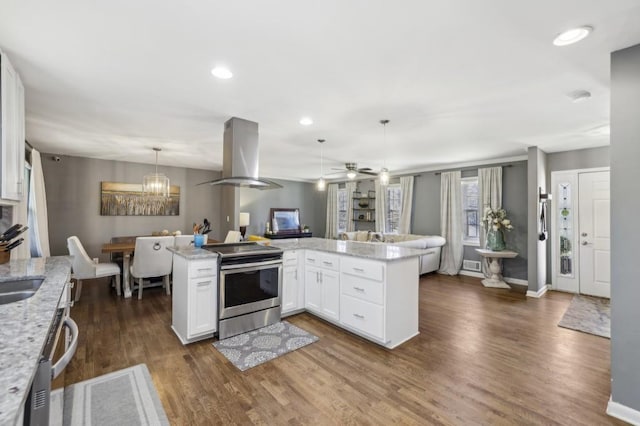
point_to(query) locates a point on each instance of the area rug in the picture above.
(124, 397)
(588, 314)
(264, 344)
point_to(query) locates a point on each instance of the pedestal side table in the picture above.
(495, 266)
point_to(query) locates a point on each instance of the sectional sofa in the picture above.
(429, 262)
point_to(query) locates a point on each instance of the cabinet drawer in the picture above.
(363, 316)
(202, 268)
(361, 288)
(290, 257)
(322, 260)
(362, 268)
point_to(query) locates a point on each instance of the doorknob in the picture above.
(584, 243)
(584, 234)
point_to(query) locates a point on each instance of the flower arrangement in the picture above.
(496, 219)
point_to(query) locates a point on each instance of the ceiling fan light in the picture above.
(384, 177)
(321, 185)
(351, 174)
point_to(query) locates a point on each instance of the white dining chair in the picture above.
(152, 259)
(84, 268)
(233, 237)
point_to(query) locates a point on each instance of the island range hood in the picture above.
(240, 156)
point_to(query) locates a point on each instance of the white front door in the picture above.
(594, 234)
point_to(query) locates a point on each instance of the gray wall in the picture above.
(625, 205)
(302, 195)
(73, 201)
(578, 159)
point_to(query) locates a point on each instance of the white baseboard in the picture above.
(516, 281)
(622, 412)
(539, 293)
(471, 274)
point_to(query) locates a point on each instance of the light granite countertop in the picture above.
(25, 325)
(375, 251)
(192, 253)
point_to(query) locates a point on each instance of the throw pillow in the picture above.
(343, 236)
(362, 236)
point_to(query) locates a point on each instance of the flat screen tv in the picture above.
(285, 221)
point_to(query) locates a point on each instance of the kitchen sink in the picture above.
(13, 291)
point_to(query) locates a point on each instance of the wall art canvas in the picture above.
(126, 199)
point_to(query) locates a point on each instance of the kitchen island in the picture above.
(367, 288)
(25, 325)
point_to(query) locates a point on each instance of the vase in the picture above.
(495, 240)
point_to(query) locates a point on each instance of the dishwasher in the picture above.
(37, 407)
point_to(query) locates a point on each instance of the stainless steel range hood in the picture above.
(240, 156)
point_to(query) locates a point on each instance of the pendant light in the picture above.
(384, 172)
(321, 185)
(155, 184)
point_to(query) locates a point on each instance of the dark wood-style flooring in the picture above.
(483, 356)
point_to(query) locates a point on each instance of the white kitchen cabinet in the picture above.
(378, 300)
(322, 284)
(292, 283)
(13, 132)
(195, 298)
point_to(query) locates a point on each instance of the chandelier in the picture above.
(155, 184)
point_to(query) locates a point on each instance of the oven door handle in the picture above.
(62, 363)
(250, 265)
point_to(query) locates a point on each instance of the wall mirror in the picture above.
(285, 221)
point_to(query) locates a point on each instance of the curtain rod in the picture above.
(28, 145)
(467, 168)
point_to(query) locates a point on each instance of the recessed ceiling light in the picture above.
(571, 36)
(579, 95)
(306, 121)
(222, 72)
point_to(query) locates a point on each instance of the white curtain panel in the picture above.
(381, 207)
(350, 189)
(490, 192)
(451, 222)
(332, 211)
(406, 186)
(38, 222)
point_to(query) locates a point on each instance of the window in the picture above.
(342, 210)
(394, 208)
(470, 211)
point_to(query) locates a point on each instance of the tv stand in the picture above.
(289, 235)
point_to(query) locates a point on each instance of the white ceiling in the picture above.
(459, 80)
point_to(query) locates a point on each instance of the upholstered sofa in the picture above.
(429, 262)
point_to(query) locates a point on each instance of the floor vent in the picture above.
(471, 265)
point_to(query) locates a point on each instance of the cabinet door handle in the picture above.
(296, 274)
(359, 289)
(358, 316)
(328, 263)
(358, 270)
(205, 269)
(203, 283)
(309, 259)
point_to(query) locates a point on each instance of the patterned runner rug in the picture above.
(124, 397)
(588, 314)
(259, 346)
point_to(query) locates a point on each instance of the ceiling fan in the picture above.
(353, 170)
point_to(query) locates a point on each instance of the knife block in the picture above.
(5, 256)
